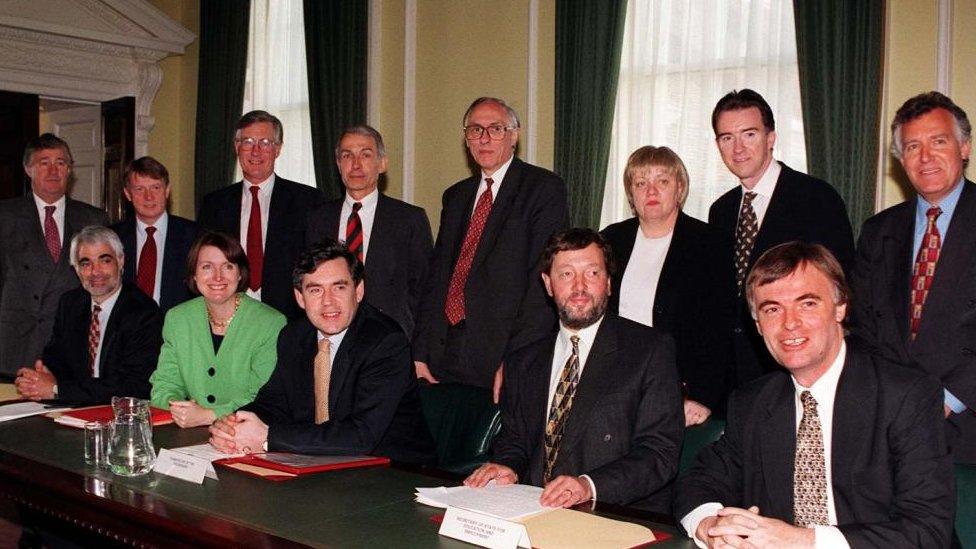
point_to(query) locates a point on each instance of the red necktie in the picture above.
(924, 270)
(454, 307)
(354, 232)
(146, 273)
(255, 251)
(51, 238)
(94, 334)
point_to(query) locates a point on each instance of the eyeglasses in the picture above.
(495, 132)
(249, 143)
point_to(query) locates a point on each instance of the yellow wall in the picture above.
(910, 68)
(175, 109)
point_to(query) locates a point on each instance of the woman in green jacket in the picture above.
(219, 348)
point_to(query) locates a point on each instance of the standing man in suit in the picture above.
(840, 449)
(344, 382)
(772, 204)
(915, 276)
(267, 212)
(484, 297)
(33, 270)
(107, 334)
(608, 386)
(155, 243)
(391, 237)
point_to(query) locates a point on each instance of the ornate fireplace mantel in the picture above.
(93, 50)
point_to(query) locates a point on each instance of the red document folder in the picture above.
(278, 466)
(105, 413)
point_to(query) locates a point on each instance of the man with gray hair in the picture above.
(33, 270)
(914, 281)
(106, 336)
(265, 211)
(483, 298)
(390, 237)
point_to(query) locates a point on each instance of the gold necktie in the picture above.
(562, 401)
(809, 469)
(323, 374)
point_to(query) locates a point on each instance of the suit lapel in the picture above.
(778, 448)
(596, 381)
(383, 227)
(851, 422)
(535, 405)
(500, 208)
(34, 233)
(128, 238)
(467, 192)
(671, 271)
(342, 364)
(897, 254)
(281, 199)
(111, 329)
(771, 229)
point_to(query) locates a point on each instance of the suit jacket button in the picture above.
(211, 371)
(967, 351)
(607, 437)
(36, 297)
(972, 303)
(738, 330)
(211, 399)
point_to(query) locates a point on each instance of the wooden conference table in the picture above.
(42, 468)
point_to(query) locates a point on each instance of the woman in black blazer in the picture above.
(670, 275)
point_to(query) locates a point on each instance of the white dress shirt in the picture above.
(496, 183)
(265, 188)
(107, 305)
(367, 213)
(561, 354)
(58, 214)
(764, 191)
(824, 391)
(638, 287)
(334, 341)
(159, 237)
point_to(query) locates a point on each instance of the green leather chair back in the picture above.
(696, 438)
(463, 421)
(966, 504)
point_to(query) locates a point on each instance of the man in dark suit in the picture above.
(106, 335)
(914, 278)
(344, 382)
(483, 296)
(266, 211)
(772, 204)
(33, 270)
(610, 387)
(391, 237)
(155, 242)
(839, 449)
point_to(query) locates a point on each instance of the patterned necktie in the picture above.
(809, 468)
(924, 271)
(255, 249)
(323, 375)
(146, 272)
(454, 307)
(354, 232)
(51, 238)
(562, 401)
(94, 335)
(745, 237)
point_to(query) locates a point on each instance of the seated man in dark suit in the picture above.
(390, 237)
(610, 386)
(840, 449)
(344, 382)
(155, 242)
(107, 334)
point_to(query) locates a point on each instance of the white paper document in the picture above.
(207, 453)
(18, 410)
(509, 502)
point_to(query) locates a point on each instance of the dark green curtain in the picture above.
(220, 90)
(335, 46)
(588, 42)
(838, 45)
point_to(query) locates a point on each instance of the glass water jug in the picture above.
(131, 451)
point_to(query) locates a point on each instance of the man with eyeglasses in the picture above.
(483, 297)
(265, 211)
(390, 237)
(34, 266)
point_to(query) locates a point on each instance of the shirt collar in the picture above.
(264, 187)
(58, 204)
(499, 174)
(108, 303)
(826, 386)
(586, 335)
(948, 204)
(767, 183)
(367, 201)
(160, 224)
(334, 340)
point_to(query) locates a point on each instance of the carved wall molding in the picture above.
(41, 55)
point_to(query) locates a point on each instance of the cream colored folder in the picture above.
(568, 529)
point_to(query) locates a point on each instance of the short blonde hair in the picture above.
(649, 156)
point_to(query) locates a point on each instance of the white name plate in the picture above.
(182, 466)
(483, 530)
